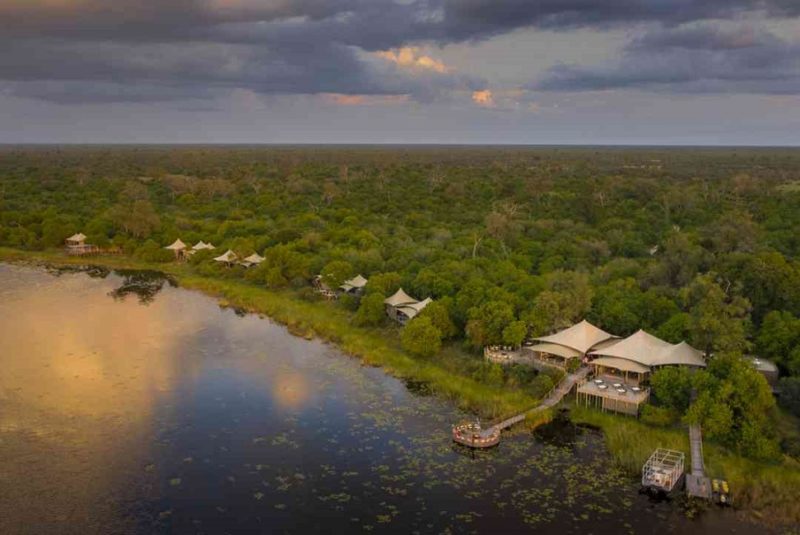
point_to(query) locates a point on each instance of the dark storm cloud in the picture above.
(696, 58)
(469, 19)
(57, 49)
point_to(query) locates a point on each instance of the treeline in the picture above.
(690, 244)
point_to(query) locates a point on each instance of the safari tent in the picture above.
(636, 356)
(354, 286)
(253, 260)
(401, 307)
(229, 257)
(177, 247)
(571, 343)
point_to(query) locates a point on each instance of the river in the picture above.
(129, 405)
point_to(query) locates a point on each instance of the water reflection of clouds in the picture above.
(89, 356)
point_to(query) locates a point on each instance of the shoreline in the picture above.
(314, 319)
(764, 492)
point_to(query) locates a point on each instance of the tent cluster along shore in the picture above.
(230, 258)
(400, 307)
(627, 363)
(638, 354)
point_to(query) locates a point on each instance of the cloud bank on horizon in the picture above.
(390, 52)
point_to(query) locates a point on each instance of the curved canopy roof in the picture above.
(399, 298)
(418, 306)
(555, 349)
(581, 337)
(621, 364)
(413, 309)
(229, 256)
(177, 245)
(648, 350)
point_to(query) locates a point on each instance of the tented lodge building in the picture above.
(354, 286)
(402, 308)
(571, 343)
(634, 358)
(622, 369)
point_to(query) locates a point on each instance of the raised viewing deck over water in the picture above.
(611, 393)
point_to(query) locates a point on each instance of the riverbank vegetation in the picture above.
(768, 491)
(484, 388)
(699, 245)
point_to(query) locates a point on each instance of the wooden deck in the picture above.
(552, 399)
(519, 356)
(609, 399)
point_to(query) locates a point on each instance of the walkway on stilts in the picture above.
(552, 399)
(697, 483)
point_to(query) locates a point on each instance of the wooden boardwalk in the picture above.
(553, 398)
(697, 483)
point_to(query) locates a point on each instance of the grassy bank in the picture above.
(768, 492)
(375, 347)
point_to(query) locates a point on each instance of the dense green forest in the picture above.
(696, 244)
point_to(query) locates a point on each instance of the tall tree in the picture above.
(719, 318)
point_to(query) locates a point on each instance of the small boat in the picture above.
(471, 434)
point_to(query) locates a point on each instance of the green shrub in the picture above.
(420, 337)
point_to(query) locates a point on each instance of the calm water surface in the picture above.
(128, 405)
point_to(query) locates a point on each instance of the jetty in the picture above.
(698, 484)
(474, 436)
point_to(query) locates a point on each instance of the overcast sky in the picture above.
(400, 71)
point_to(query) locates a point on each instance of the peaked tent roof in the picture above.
(581, 337)
(255, 258)
(177, 245)
(229, 256)
(199, 246)
(80, 236)
(356, 282)
(399, 298)
(648, 350)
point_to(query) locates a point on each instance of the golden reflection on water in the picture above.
(88, 383)
(92, 357)
(80, 378)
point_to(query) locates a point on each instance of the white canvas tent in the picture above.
(581, 337)
(228, 257)
(354, 285)
(176, 246)
(201, 246)
(571, 343)
(641, 352)
(402, 307)
(253, 260)
(399, 298)
(76, 239)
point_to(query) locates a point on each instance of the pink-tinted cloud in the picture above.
(364, 100)
(410, 57)
(483, 98)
